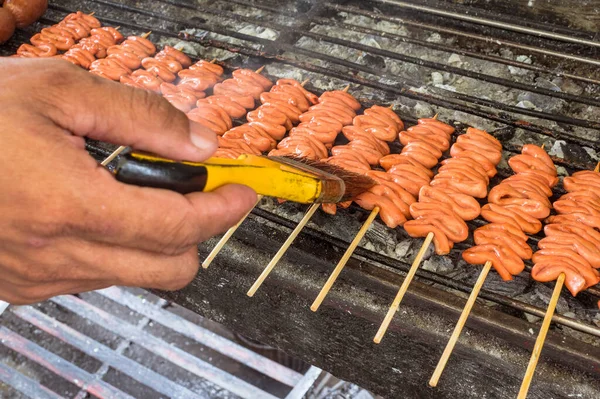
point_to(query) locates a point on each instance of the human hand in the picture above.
(67, 225)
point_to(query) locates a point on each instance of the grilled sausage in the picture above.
(26, 12)
(461, 176)
(7, 24)
(515, 207)
(269, 122)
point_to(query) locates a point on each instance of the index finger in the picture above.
(159, 220)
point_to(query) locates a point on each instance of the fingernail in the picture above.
(202, 137)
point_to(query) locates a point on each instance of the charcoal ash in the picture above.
(435, 38)
(259, 31)
(439, 264)
(568, 86)
(542, 102)
(405, 249)
(471, 120)
(198, 50)
(381, 239)
(423, 110)
(465, 85)
(547, 84)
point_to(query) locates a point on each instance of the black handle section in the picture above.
(160, 174)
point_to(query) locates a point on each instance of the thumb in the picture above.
(108, 111)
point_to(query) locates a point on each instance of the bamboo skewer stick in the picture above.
(282, 250)
(460, 324)
(315, 306)
(145, 35)
(539, 342)
(215, 251)
(113, 155)
(403, 288)
(439, 369)
(288, 242)
(338, 269)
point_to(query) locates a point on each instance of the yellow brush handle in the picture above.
(264, 175)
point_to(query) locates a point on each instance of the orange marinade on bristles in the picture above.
(572, 242)
(444, 206)
(514, 209)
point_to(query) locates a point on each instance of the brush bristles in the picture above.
(354, 184)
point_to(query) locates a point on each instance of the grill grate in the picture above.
(539, 85)
(174, 364)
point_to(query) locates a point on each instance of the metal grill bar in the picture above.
(203, 336)
(26, 385)
(161, 348)
(451, 49)
(486, 39)
(496, 24)
(59, 366)
(304, 385)
(103, 353)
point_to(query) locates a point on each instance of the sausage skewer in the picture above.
(391, 197)
(61, 36)
(527, 190)
(282, 250)
(439, 216)
(539, 342)
(219, 246)
(307, 216)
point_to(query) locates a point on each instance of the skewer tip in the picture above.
(539, 342)
(435, 116)
(542, 146)
(597, 168)
(305, 81)
(259, 70)
(345, 90)
(349, 251)
(145, 35)
(403, 288)
(92, 13)
(213, 60)
(391, 106)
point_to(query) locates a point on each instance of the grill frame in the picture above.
(278, 52)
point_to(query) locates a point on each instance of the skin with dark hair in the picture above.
(67, 225)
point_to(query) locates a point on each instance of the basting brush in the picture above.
(288, 178)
